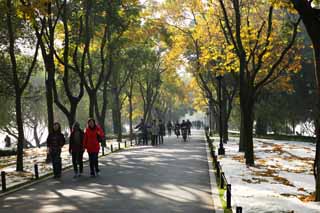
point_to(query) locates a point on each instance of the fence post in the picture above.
(239, 209)
(119, 146)
(221, 180)
(3, 181)
(218, 168)
(111, 147)
(228, 196)
(36, 171)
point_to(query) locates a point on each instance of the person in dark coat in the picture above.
(76, 149)
(7, 141)
(154, 133)
(169, 128)
(143, 127)
(162, 131)
(189, 124)
(55, 142)
(177, 129)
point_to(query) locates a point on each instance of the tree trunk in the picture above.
(225, 119)
(211, 119)
(116, 115)
(246, 134)
(49, 99)
(316, 46)
(20, 145)
(35, 134)
(91, 103)
(293, 127)
(130, 115)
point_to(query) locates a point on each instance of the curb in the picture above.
(213, 182)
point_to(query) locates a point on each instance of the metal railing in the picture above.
(223, 182)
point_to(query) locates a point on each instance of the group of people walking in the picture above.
(79, 141)
(157, 130)
(90, 140)
(179, 128)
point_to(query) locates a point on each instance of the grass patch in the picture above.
(221, 191)
(223, 201)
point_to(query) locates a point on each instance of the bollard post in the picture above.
(218, 168)
(3, 181)
(228, 196)
(221, 180)
(119, 146)
(239, 209)
(111, 147)
(36, 171)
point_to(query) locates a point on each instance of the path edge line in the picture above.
(213, 183)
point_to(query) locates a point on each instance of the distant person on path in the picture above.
(189, 125)
(143, 128)
(92, 136)
(169, 127)
(55, 142)
(154, 133)
(7, 141)
(177, 129)
(76, 149)
(162, 131)
(184, 129)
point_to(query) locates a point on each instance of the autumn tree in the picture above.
(310, 13)
(264, 47)
(196, 39)
(20, 66)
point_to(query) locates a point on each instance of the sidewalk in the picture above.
(173, 177)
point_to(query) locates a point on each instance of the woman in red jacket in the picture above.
(93, 135)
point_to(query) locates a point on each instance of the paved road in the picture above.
(170, 178)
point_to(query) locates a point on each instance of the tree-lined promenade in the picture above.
(246, 63)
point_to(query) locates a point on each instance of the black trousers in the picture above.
(160, 139)
(94, 164)
(77, 161)
(154, 140)
(56, 162)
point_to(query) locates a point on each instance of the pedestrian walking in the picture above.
(177, 129)
(162, 131)
(189, 126)
(154, 133)
(55, 142)
(143, 128)
(76, 149)
(169, 128)
(92, 136)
